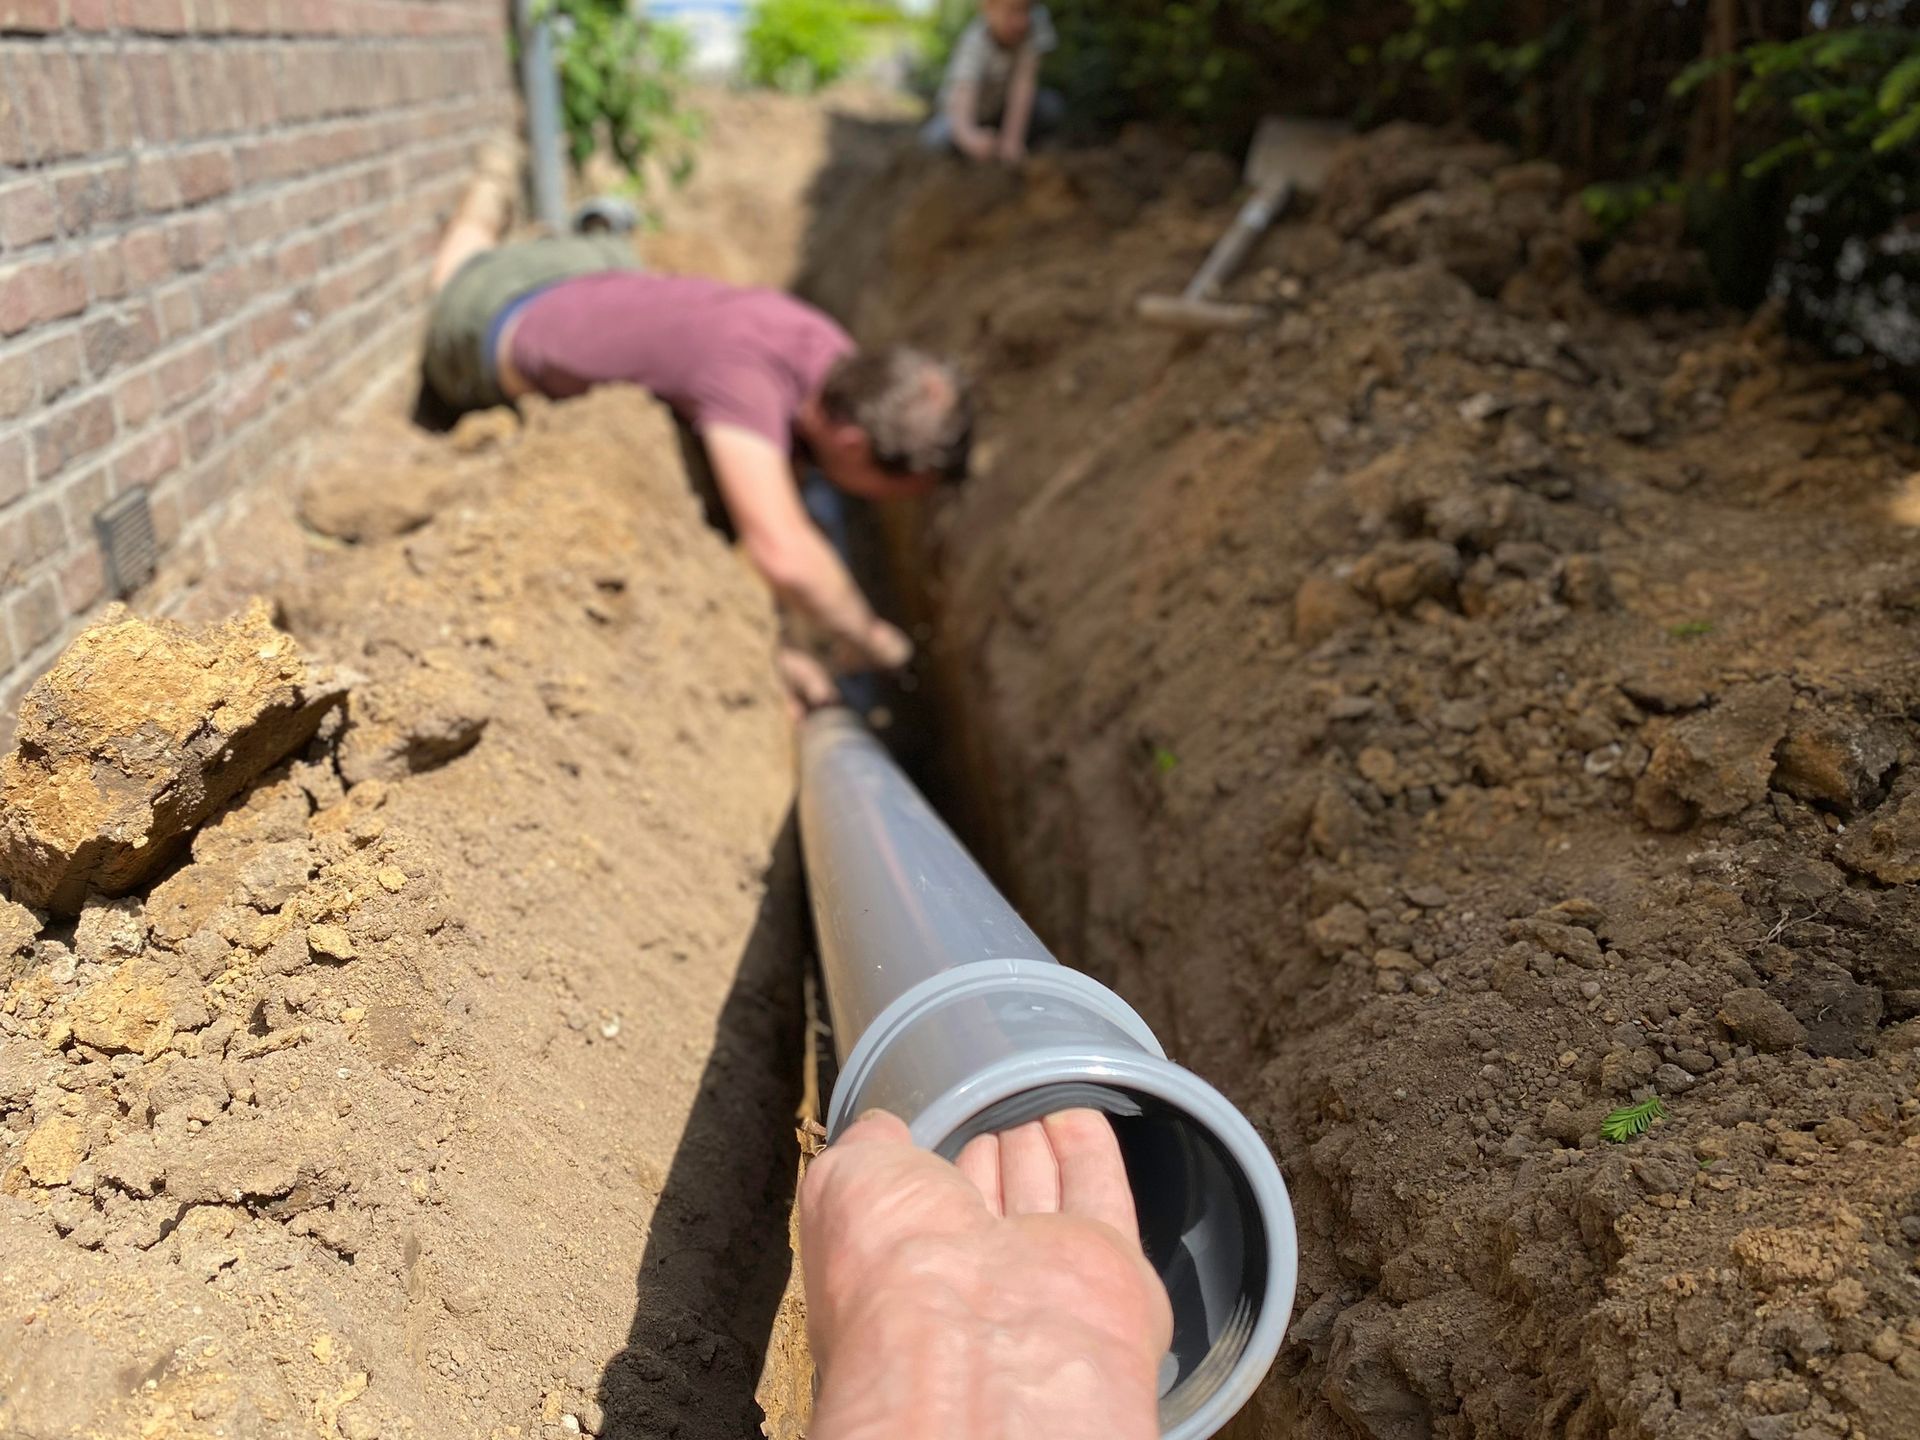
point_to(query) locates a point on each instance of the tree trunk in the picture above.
(1711, 146)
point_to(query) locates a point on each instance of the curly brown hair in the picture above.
(914, 408)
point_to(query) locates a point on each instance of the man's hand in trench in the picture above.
(1003, 1298)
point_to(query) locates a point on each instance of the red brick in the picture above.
(179, 315)
(29, 533)
(83, 579)
(71, 434)
(186, 374)
(136, 398)
(232, 349)
(169, 516)
(81, 496)
(52, 116)
(314, 201)
(164, 17)
(106, 97)
(56, 362)
(41, 290)
(156, 185)
(193, 240)
(17, 300)
(29, 15)
(204, 175)
(273, 328)
(243, 400)
(90, 14)
(36, 614)
(96, 197)
(147, 257)
(19, 386)
(14, 471)
(201, 430)
(27, 214)
(146, 462)
(230, 289)
(29, 114)
(297, 262)
(62, 289)
(255, 96)
(114, 342)
(106, 272)
(215, 103)
(156, 108)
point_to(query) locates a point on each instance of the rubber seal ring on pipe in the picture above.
(981, 979)
(1230, 1339)
(1214, 1210)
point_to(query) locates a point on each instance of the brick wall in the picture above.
(215, 217)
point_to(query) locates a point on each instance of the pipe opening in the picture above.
(1203, 1229)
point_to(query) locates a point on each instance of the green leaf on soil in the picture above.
(1631, 1120)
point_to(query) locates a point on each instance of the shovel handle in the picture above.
(1248, 226)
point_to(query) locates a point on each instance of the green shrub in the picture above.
(1828, 130)
(1803, 186)
(623, 88)
(805, 45)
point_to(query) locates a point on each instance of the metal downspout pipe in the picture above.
(540, 83)
(948, 1011)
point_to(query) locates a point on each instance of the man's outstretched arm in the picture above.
(756, 482)
(1005, 1298)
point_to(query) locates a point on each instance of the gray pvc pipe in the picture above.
(948, 1011)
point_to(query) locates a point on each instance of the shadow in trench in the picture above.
(875, 170)
(717, 1259)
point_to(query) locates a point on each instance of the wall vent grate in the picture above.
(125, 528)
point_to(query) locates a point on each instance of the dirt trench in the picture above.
(401, 1013)
(1476, 701)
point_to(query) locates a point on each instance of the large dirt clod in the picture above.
(1717, 763)
(141, 731)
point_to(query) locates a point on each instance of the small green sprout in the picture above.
(1631, 1120)
(1164, 760)
(1690, 629)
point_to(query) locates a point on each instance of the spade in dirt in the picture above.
(1287, 155)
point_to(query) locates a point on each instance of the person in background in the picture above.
(991, 102)
(770, 387)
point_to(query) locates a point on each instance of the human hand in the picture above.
(808, 684)
(878, 647)
(1003, 1298)
(888, 646)
(1013, 150)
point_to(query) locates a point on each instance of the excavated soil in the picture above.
(1451, 711)
(446, 1088)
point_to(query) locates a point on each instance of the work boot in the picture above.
(606, 215)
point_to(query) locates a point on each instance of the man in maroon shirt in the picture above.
(759, 376)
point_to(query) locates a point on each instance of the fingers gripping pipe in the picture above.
(949, 1012)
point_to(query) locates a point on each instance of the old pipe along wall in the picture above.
(948, 1011)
